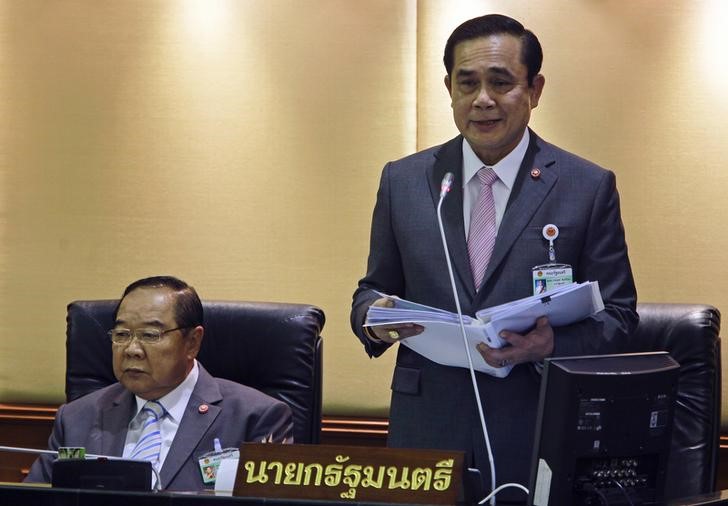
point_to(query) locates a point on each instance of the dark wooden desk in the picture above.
(43, 495)
(14, 494)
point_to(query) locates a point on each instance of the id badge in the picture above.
(210, 462)
(548, 276)
(551, 275)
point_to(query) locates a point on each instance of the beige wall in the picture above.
(233, 143)
(238, 145)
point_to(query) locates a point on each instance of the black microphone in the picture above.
(444, 190)
(37, 451)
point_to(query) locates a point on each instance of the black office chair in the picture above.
(690, 333)
(273, 347)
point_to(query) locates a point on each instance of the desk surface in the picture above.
(44, 495)
(720, 497)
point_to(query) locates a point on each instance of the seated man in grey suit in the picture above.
(512, 192)
(156, 337)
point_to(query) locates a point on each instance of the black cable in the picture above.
(594, 490)
(624, 491)
(602, 496)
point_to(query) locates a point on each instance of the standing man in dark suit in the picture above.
(156, 337)
(493, 79)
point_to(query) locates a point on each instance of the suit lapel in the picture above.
(115, 420)
(193, 426)
(450, 159)
(526, 197)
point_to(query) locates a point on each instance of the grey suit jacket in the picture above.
(236, 414)
(432, 405)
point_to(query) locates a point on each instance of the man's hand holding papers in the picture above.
(395, 331)
(496, 327)
(531, 347)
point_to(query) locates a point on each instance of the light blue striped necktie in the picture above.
(149, 445)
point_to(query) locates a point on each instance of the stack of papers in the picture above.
(442, 340)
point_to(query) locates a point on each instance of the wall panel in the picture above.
(637, 87)
(236, 144)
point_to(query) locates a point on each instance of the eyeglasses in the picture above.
(145, 336)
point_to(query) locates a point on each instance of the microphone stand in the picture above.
(444, 190)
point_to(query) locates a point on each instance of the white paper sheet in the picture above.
(442, 340)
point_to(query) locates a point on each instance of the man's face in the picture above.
(491, 98)
(152, 370)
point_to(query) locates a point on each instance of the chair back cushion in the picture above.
(690, 333)
(273, 347)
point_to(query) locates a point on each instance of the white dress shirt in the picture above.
(507, 170)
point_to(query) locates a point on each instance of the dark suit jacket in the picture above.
(432, 405)
(236, 414)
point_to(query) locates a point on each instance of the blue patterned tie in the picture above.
(149, 445)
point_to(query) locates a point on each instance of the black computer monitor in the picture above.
(603, 430)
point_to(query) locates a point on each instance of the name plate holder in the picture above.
(356, 473)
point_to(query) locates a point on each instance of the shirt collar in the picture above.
(176, 401)
(506, 168)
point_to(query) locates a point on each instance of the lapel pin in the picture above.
(203, 409)
(535, 173)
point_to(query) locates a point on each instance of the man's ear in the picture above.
(448, 84)
(536, 89)
(194, 341)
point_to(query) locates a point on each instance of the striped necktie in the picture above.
(149, 445)
(481, 237)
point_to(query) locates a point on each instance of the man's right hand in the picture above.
(391, 333)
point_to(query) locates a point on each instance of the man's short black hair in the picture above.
(187, 307)
(497, 24)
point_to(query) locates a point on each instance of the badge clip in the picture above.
(550, 233)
